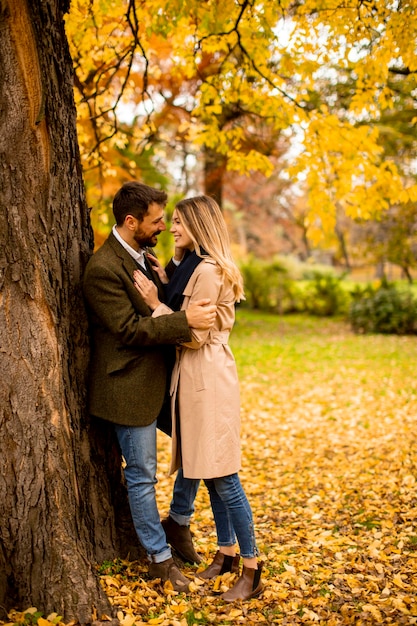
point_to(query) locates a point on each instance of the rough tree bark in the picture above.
(56, 514)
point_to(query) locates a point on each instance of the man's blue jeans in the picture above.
(138, 447)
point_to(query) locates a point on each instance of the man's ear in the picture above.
(131, 222)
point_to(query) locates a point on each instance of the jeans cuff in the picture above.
(160, 557)
(182, 520)
(254, 553)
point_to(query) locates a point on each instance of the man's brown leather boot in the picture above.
(167, 570)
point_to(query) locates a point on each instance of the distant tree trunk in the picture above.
(307, 249)
(56, 516)
(407, 273)
(380, 270)
(214, 169)
(343, 248)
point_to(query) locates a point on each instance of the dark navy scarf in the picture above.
(174, 289)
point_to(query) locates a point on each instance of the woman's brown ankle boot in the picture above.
(221, 564)
(249, 585)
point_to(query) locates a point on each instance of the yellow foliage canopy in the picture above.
(229, 70)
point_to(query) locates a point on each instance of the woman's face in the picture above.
(182, 239)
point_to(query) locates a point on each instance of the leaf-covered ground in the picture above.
(329, 448)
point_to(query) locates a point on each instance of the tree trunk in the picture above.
(56, 516)
(407, 273)
(380, 270)
(214, 169)
(343, 248)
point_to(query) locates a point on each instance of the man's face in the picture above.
(147, 231)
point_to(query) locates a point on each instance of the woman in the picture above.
(205, 387)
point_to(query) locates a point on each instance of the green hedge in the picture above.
(271, 287)
(384, 310)
(279, 286)
(325, 295)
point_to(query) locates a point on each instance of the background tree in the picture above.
(392, 112)
(391, 240)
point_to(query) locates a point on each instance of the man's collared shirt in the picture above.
(137, 255)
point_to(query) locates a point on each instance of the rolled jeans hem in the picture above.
(182, 504)
(182, 520)
(223, 544)
(250, 556)
(160, 557)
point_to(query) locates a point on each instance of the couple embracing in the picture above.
(139, 314)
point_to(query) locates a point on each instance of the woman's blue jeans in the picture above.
(232, 514)
(182, 503)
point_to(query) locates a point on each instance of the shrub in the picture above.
(268, 287)
(384, 310)
(325, 295)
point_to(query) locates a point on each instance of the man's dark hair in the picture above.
(134, 198)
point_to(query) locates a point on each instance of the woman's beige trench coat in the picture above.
(205, 385)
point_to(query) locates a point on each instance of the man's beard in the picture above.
(148, 242)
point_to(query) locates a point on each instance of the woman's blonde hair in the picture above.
(203, 220)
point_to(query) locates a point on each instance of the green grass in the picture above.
(297, 344)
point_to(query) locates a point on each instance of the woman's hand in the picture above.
(147, 289)
(158, 268)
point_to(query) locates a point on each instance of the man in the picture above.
(128, 372)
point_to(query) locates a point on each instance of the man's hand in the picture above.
(201, 314)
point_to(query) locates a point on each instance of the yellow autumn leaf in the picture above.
(112, 582)
(217, 583)
(375, 612)
(397, 580)
(128, 620)
(178, 609)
